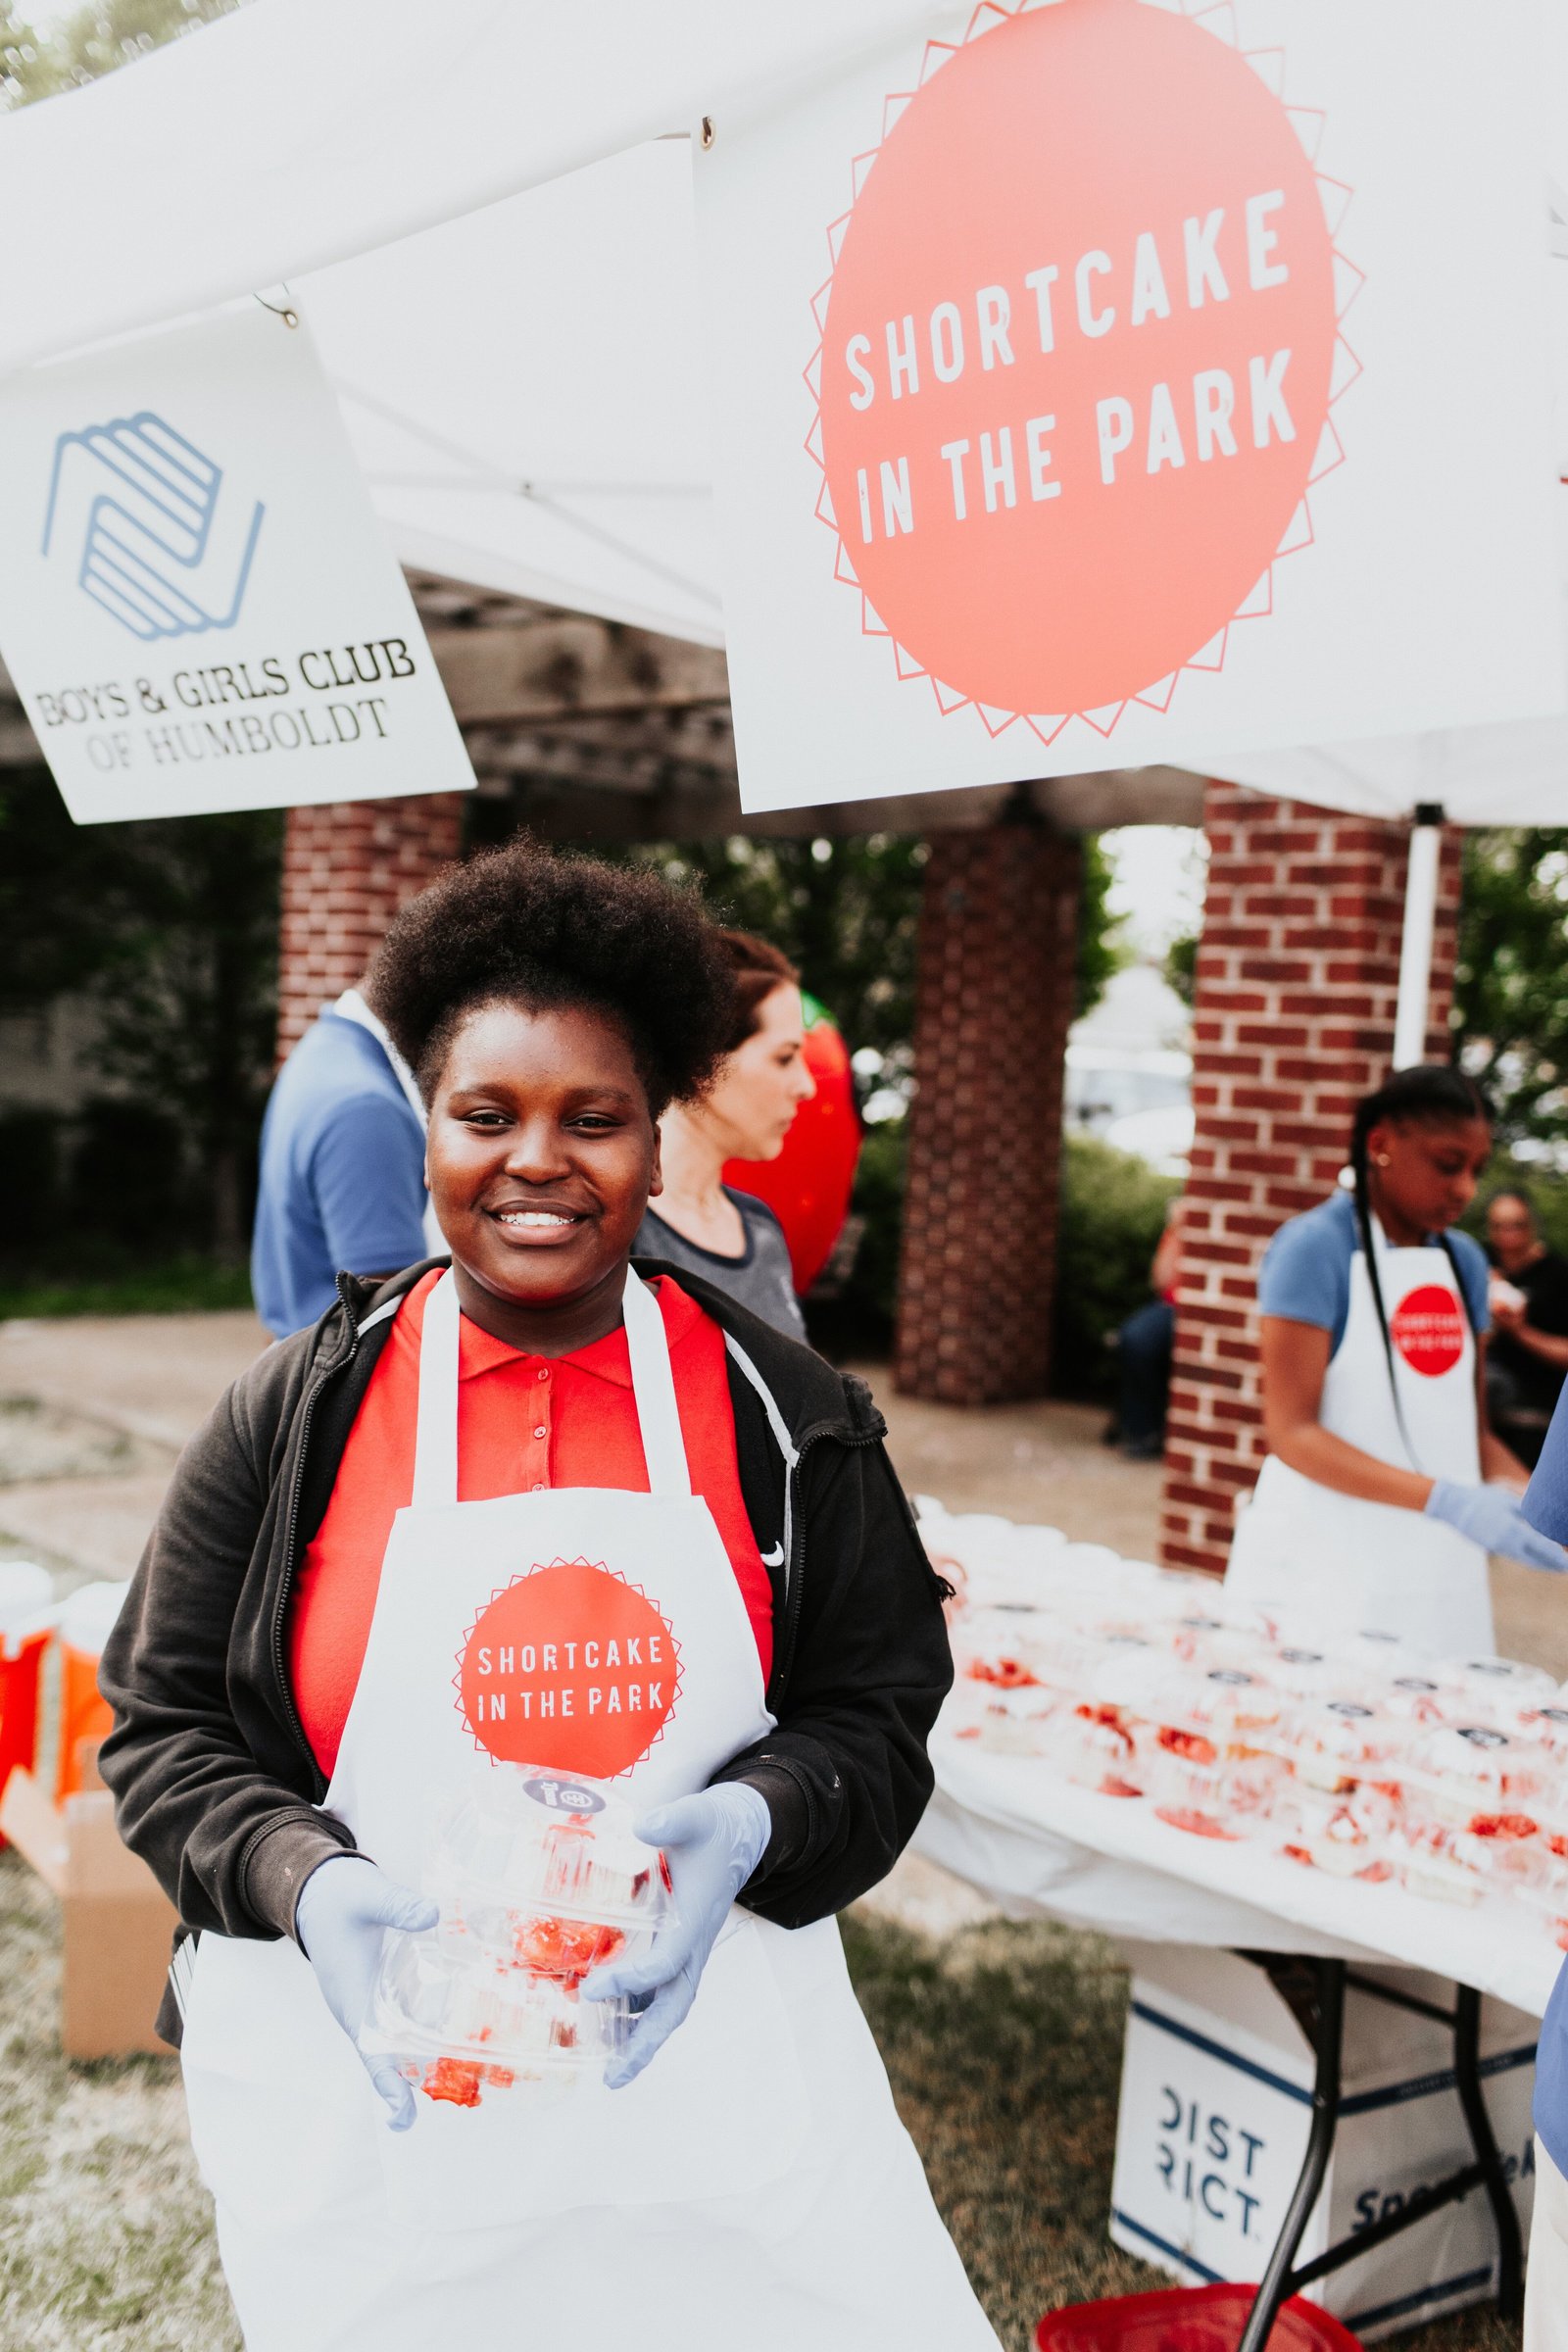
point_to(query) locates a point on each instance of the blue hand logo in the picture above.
(160, 551)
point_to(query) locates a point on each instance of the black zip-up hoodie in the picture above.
(213, 1782)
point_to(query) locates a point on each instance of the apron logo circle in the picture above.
(569, 1669)
(1428, 1329)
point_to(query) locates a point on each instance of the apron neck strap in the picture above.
(435, 1446)
(654, 1387)
(435, 1443)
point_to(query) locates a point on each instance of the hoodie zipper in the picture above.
(290, 1543)
(794, 1565)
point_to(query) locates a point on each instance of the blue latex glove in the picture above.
(1491, 1517)
(344, 1909)
(712, 1842)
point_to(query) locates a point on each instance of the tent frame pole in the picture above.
(1416, 946)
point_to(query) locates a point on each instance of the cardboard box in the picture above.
(118, 1923)
(1215, 2108)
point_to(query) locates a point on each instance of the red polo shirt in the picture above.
(524, 1423)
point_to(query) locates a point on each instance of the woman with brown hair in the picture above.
(702, 1224)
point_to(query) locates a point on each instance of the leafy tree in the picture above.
(1101, 951)
(1510, 999)
(847, 911)
(1181, 964)
(168, 932)
(1113, 1212)
(38, 63)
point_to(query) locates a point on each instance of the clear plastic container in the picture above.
(1495, 1689)
(1466, 1774)
(1302, 1672)
(1428, 1864)
(539, 1879)
(1334, 1745)
(1093, 1747)
(1419, 1699)
(1548, 1727)
(1217, 1632)
(1014, 1722)
(1234, 1795)
(1346, 1835)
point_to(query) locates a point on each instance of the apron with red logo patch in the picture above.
(758, 2166)
(1333, 1561)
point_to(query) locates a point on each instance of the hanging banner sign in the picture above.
(198, 606)
(1112, 381)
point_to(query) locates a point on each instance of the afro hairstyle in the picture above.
(524, 925)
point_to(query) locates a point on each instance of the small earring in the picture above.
(1382, 1159)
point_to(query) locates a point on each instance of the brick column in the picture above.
(347, 868)
(1298, 975)
(997, 969)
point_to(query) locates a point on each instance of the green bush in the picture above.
(30, 1155)
(1113, 1209)
(855, 1318)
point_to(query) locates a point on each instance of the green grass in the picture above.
(106, 2240)
(1003, 2047)
(169, 1287)
(1002, 2043)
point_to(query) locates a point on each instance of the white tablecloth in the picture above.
(1034, 1843)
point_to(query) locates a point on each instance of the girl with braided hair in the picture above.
(1385, 1488)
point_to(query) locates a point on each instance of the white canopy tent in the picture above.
(485, 213)
(486, 217)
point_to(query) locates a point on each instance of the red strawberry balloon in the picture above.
(808, 1186)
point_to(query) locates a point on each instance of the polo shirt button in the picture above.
(541, 1431)
(538, 1485)
(544, 1372)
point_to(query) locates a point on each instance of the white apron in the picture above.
(1333, 1561)
(755, 2186)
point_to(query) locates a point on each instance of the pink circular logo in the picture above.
(1077, 359)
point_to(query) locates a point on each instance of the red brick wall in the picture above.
(997, 944)
(347, 869)
(1297, 974)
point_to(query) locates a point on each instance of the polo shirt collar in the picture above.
(481, 1352)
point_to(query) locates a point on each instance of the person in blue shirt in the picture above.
(1546, 1506)
(342, 1176)
(1385, 1490)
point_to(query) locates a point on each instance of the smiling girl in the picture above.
(1371, 1509)
(542, 1429)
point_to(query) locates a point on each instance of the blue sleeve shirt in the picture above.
(1306, 1274)
(342, 1176)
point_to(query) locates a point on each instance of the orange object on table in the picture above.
(85, 1623)
(1188, 2319)
(85, 1719)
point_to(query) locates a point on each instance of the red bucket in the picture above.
(19, 1705)
(1187, 2319)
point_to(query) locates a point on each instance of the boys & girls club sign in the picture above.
(198, 606)
(1108, 380)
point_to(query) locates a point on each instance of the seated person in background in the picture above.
(1144, 1350)
(342, 1176)
(1528, 1358)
